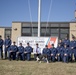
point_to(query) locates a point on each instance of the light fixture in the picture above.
(15, 29)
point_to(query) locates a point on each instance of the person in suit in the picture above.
(37, 52)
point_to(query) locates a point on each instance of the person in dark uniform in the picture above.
(1, 47)
(58, 52)
(66, 54)
(45, 54)
(53, 53)
(7, 44)
(27, 52)
(61, 54)
(66, 41)
(12, 51)
(20, 52)
(73, 48)
(61, 43)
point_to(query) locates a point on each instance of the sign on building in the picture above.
(42, 41)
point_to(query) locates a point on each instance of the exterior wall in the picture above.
(16, 31)
(72, 30)
(2, 32)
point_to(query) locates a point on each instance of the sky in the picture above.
(18, 10)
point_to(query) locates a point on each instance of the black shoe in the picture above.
(9, 59)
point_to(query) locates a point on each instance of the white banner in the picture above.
(42, 41)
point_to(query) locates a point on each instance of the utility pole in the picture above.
(39, 17)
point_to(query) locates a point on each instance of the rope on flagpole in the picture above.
(30, 15)
(48, 15)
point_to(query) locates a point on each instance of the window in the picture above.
(64, 31)
(45, 25)
(64, 25)
(34, 25)
(26, 32)
(55, 35)
(62, 36)
(54, 25)
(45, 31)
(7, 33)
(55, 30)
(34, 31)
(26, 24)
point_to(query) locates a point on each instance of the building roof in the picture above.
(72, 21)
(5, 27)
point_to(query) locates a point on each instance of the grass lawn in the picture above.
(34, 68)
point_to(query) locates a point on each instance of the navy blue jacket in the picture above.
(62, 44)
(70, 51)
(53, 51)
(1, 42)
(73, 44)
(28, 49)
(67, 42)
(7, 42)
(13, 48)
(61, 50)
(58, 49)
(66, 51)
(46, 51)
(20, 49)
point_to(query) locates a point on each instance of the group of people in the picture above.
(65, 51)
(12, 51)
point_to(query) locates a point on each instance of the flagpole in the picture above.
(39, 12)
